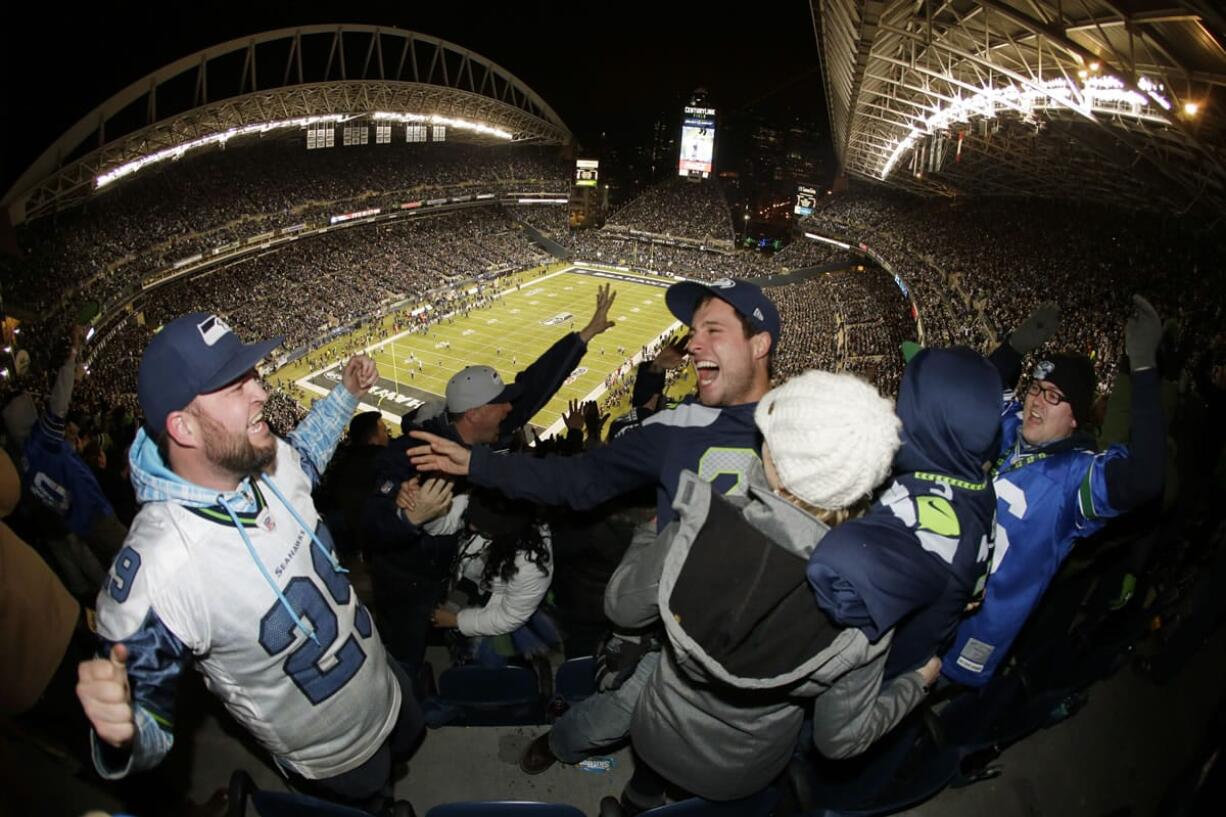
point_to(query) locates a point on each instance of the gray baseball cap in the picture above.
(476, 386)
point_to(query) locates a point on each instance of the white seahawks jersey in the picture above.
(185, 587)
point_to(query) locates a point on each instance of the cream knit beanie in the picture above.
(832, 437)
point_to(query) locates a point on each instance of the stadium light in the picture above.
(434, 119)
(1104, 95)
(823, 239)
(1191, 108)
(1094, 66)
(177, 152)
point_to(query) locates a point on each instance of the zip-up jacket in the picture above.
(747, 646)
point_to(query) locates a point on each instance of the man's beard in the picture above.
(235, 452)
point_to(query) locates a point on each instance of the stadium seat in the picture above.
(282, 803)
(471, 695)
(756, 805)
(576, 679)
(504, 808)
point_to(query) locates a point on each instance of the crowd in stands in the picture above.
(970, 289)
(602, 247)
(978, 266)
(839, 321)
(802, 253)
(551, 220)
(680, 208)
(316, 285)
(174, 210)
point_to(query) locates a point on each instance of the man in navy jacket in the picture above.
(410, 568)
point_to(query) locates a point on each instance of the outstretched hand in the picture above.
(600, 318)
(1142, 335)
(439, 454)
(1038, 327)
(360, 374)
(573, 418)
(673, 354)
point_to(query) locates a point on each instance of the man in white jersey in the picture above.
(228, 566)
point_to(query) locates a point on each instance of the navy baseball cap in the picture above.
(744, 297)
(192, 355)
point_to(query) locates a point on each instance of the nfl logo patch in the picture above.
(266, 521)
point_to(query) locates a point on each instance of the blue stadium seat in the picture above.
(280, 803)
(471, 695)
(504, 808)
(576, 679)
(755, 805)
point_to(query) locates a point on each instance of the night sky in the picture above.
(61, 61)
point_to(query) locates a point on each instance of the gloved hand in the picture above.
(617, 658)
(1142, 334)
(1040, 325)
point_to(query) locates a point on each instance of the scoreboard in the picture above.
(806, 200)
(587, 172)
(697, 142)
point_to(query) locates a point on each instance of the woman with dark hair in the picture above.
(509, 559)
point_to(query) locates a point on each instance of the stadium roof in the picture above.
(1119, 102)
(288, 77)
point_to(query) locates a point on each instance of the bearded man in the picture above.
(227, 566)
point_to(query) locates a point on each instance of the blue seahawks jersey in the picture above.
(53, 474)
(1045, 502)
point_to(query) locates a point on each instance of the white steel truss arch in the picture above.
(287, 74)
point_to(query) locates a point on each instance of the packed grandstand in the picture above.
(345, 251)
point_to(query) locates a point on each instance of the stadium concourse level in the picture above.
(108, 247)
(680, 208)
(979, 266)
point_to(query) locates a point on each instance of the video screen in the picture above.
(587, 171)
(697, 142)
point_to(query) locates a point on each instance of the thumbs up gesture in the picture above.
(102, 687)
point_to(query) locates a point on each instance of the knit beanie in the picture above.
(1074, 376)
(832, 437)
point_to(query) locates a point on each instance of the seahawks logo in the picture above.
(1043, 370)
(723, 283)
(212, 329)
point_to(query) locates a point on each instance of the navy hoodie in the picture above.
(922, 550)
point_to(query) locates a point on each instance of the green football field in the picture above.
(521, 324)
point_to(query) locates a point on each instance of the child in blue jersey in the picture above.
(912, 563)
(1052, 486)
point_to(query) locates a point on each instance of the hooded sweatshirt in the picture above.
(922, 551)
(245, 585)
(747, 646)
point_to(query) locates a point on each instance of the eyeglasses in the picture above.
(1050, 396)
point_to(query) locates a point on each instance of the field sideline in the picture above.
(508, 335)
